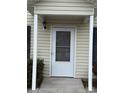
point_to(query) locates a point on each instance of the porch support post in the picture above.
(90, 54)
(34, 68)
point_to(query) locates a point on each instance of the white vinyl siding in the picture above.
(30, 19)
(82, 50)
(43, 46)
(64, 7)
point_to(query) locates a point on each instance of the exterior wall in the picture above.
(43, 50)
(64, 7)
(29, 19)
(44, 44)
(82, 50)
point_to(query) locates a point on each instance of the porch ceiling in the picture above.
(64, 19)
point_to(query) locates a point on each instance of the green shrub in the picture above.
(39, 77)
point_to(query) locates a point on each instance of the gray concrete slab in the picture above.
(61, 85)
(32, 91)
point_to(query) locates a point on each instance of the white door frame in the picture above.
(74, 46)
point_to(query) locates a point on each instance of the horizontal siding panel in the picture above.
(44, 57)
(43, 54)
(80, 70)
(43, 38)
(84, 31)
(82, 50)
(64, 4)
(83, 58)
(84, 73)
(41, 33)
(43, 42)
(43, 50)
(83, 46)
(82, 37)
(40, 49)
(81, 64)
(83, 34)
(61, 8)
(83, 42)
(82, 55)
(43, 45)
(82, 28)
(82, 61)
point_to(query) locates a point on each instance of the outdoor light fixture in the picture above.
(44, 24)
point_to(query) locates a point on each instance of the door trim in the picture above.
(74, 47)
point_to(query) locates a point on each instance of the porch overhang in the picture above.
(87, 5)
(64, 8)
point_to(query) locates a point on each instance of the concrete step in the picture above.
(61, 85)
(60, 90)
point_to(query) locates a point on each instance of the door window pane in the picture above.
(62, 54)
(62, 38)
(62, 46)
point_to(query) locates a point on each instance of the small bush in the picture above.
(39, 77)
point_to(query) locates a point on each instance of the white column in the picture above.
(90, 54)
(34, 68)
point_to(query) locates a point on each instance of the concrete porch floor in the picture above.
(61, 85)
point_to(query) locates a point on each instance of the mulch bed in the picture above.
(85, 83)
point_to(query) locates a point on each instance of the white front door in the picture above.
(63, 52)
